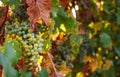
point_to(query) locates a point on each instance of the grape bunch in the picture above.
(42, 27)
(84, 48)
(30, 43)
(19, 12)
(61, 51)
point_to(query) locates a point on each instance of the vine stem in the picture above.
(56, 73)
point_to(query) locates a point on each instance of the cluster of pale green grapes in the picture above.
(31, 43)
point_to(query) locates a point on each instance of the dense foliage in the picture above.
(60, 38)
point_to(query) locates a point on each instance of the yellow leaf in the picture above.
(39, 20)
(79, 74)
(96, 26)
(95, 1)
(70, 4)
(55, 35)
(107, 64)
(62, 27)
(116, 57)
(91, 25)
(107, 24)
(7, 35)
(99, 49)
(90, 35)
(99, 60)
(40, 59)
(64, 68)
(88, 59)
(100, 63)
(101, 7)
(94, 65)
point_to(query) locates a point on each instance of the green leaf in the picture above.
(43, 73)
(105, 39)
(25, 73)
(109, 73)
(118, 16)
(15, 45)
(94, 74)
(62, 18)
(117, 50)
(118, 2)
(55, 5)
(8, 59)
(69, 75)
(11, 2)
(12, 52)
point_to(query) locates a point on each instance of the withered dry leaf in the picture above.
(50, 66)
(38, 9)
(21, 64)
(3, 16)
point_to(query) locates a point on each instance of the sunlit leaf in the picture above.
(62, 27)
(62, 18)
(79, 74)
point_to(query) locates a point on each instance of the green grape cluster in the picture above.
(31, 43)
(19, 12)
(62, 52)
(42, 27)
(17, 28)
(84, 47)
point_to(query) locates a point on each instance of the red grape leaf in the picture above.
(38, 9)
(3, 16)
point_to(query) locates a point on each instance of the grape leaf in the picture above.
(105, 39)
(43, 73)
(38, 9)
(25, 73)
(8, 59)
(62, 18)
(16, 2)
(55, 5)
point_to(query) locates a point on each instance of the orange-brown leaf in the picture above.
(38, 9)
(64, 3)
(3, 16)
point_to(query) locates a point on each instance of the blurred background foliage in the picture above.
(83, 36)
